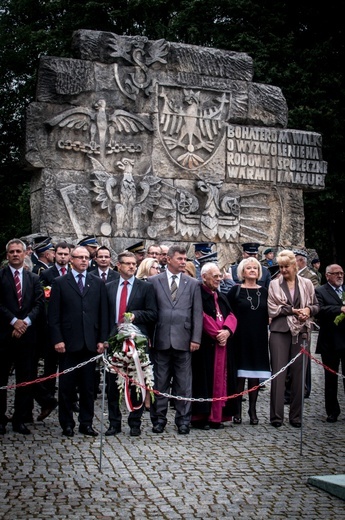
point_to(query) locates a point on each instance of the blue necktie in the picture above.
(80, 283)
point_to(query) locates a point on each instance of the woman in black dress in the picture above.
(249, 304)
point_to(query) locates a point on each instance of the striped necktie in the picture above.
(18, 288)
(173, 287)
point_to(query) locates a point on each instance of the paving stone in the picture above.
(241, 472)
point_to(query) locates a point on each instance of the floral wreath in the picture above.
(127, 357)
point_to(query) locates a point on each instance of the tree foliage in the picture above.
(296, 45)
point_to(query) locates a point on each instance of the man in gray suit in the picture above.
(177, 335)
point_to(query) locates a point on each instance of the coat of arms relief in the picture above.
(135, 202)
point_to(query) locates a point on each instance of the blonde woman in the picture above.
(249, 304)
(291, 305)
(148, 267)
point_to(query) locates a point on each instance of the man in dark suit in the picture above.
(78, 324)
(103, 269)
(60, 267)
(21, 308)
(331, 338)
(177, 334)
(47, 276)
(141, 303)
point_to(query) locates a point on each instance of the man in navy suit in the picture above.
(177, 335)
(103, 269)
(78, 323)
(141, 303)
(21, 309)
(331, 338)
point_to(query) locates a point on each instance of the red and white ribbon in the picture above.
(131, 352)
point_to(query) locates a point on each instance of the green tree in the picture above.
(296, 45)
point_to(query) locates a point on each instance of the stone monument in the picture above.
(136, 139)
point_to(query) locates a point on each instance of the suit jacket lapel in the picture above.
(88, 283)
(165, 285)
(182, 286)
(72, 282)
(133, 292)
(113, 295)
(333, 293)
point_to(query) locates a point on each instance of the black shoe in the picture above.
(276, 424)
(216, 426)
(253, 420)
(135, 431)
(200, 425)
(46, 411)
(295, 424)
(332, 418)
(68, 431)
(75, 408)
(237, 420)
(183, 429)
(21, 428)
(2, 429)
(113, 430)
(158, 428)
(88, 430)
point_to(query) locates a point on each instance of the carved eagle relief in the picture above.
(191, 124)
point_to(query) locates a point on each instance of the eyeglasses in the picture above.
(338, 273)
(129, 263)
(81, 257)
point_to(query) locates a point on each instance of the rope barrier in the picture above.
(164, 394)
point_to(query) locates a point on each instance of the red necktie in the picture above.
(18, 288)
(63, 270)
(123, 301)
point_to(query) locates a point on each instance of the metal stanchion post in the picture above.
(102, 416)
(304, 345)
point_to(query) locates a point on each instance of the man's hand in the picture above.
(60, 347)
(222, 337)
(193, 346)
(20, 327)
(100, 348)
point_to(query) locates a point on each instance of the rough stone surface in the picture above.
(137, 139)
(243, 471)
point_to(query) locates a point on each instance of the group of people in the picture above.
(208, 332)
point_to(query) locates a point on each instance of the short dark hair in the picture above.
(102, 248)
(62, 245)
(176, 249)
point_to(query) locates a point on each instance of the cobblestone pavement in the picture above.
(243, 471)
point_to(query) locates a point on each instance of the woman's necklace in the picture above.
(250, 299)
